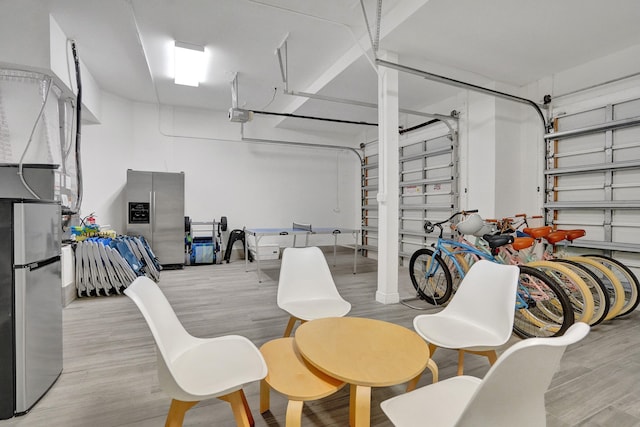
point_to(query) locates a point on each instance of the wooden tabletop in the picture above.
(361, 351)
(291, 375)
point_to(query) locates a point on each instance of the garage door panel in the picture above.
(626, 110)
(579, 143)
(439, 199)
(584, 195)
(593, 180)
(626, 136)
(578, 120)
(626, 235)
(626, 218)
(428, 187)
(626, 185)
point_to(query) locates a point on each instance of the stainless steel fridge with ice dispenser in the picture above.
(30, 302)
(155, 210)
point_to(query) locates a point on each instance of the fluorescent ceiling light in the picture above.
(189, 64)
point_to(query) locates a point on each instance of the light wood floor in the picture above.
(109, 376)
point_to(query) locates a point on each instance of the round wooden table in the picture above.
(364, 353)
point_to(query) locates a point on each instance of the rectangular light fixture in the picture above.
(189, 64)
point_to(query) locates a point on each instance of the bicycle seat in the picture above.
(537, 232)
(520, 243)
(556, 236)
(498, 240)
(575, 234)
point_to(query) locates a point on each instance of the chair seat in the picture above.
(223, 364)
(456, 333)
(316, 308)
(439, 404)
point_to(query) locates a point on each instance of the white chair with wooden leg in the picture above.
(306, 289)
(193, 369)
(479, 317)
(511, 394)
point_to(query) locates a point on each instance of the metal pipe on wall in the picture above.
(323, 119)
(366, 104)
(440, 117)
(299, 144)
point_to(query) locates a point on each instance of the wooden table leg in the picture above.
(359, 406)
(294, 413)
(411, 385)
(431, 365)
(434, 370)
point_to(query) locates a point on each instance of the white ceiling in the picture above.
(511, 41)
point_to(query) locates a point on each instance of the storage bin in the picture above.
(266, 252)
(202, 253)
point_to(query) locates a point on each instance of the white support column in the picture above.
(388, 182)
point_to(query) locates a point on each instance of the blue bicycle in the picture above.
(542, 307)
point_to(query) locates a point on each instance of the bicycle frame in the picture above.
(440, 248)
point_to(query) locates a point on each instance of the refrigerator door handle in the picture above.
(153, 211)
(39, 264)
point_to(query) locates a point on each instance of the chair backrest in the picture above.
(487, 296)
(305, 275)
(170, 336)
(512, 392)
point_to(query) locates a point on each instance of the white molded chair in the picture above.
(192, 369)
(511, 394)
(306, 289)
(479, 317)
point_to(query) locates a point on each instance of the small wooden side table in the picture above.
(290, 375)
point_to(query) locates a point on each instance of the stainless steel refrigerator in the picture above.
(155, 210)
(30, 302)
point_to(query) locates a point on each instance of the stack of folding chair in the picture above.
(106, 266)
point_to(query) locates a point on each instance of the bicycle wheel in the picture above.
(598, 290)
(611, 282)
(432, 281)
(628, 280)
(545, 311)
(576, 289)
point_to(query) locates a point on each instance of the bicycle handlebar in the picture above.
(429, 226)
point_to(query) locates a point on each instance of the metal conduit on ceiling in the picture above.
(465, 85)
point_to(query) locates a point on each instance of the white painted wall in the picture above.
(24, 31)
(30, 39)
(478, 124)
(253, 184)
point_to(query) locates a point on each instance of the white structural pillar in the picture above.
(388, 182)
